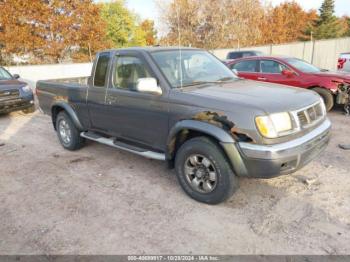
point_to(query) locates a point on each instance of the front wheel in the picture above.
(67, 132)
(327, 97)
(204, 172)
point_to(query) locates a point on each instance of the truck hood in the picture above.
(10, 84)
(268, 97)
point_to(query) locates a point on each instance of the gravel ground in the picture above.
(103, 201)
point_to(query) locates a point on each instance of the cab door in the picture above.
(135, 116)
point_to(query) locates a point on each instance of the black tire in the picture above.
(327, 97)
(226, 183)
(29, 110)
(76, 141)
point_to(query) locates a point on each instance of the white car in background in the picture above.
(344, 62)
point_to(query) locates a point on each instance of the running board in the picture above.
(132, 149)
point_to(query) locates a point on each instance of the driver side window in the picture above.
(127, 71)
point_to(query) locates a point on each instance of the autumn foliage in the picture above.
(54, 31)
(51, 30)
(235, 23)
(287, 22)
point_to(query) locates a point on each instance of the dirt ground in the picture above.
(103, 201)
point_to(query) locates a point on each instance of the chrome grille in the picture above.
(310, 115)
(8, 94)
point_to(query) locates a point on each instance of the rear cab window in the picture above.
(101, 70)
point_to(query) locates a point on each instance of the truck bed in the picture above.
(72, 90)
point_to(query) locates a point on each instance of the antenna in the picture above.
(179, 41)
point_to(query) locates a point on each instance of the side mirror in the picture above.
(148, 85)
(16, 76)
(287, 73)
(235, 71)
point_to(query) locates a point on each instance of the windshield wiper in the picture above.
(225, 79)
(197, 83)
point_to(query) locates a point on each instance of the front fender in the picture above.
(204, 127)
(69, 110)
(226, 141)
(199, 126)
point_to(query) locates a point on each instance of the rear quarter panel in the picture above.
(49, 93)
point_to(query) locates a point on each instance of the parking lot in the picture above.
(103, 201)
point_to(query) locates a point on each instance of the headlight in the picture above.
(26, 88)
(323, 106)
(274, 125)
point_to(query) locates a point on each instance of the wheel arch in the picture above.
(187, 129)
(57, 107)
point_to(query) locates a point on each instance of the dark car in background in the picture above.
(14, 94)
(293, 72)
(241, 54)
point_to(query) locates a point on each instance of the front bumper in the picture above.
(21, 103)
(266, 161)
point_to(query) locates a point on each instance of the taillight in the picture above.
(341, 62)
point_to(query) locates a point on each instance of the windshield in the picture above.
(192, 67)
(4, 75)
(303, 66)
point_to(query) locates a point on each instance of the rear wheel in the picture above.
(204, 172)
(67, 132)
(327, 97)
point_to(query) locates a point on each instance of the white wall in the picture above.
(33, 73)
(322, 53)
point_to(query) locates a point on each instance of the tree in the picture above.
(51, 30)
(328, 25)
(212, 23)
(74, 27)
(119, 21)
(287, 22)
(345, 25)
(123, 27)
(21, 26)
(147, 26)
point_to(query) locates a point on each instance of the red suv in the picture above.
(293, 72)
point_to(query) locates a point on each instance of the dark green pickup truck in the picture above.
(185, 107)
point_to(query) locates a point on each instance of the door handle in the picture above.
(262, 78)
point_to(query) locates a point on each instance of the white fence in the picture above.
(322, 53)
(33, 73)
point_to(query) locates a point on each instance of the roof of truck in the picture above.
(151, 48)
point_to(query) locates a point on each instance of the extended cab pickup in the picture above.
(185, 107)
